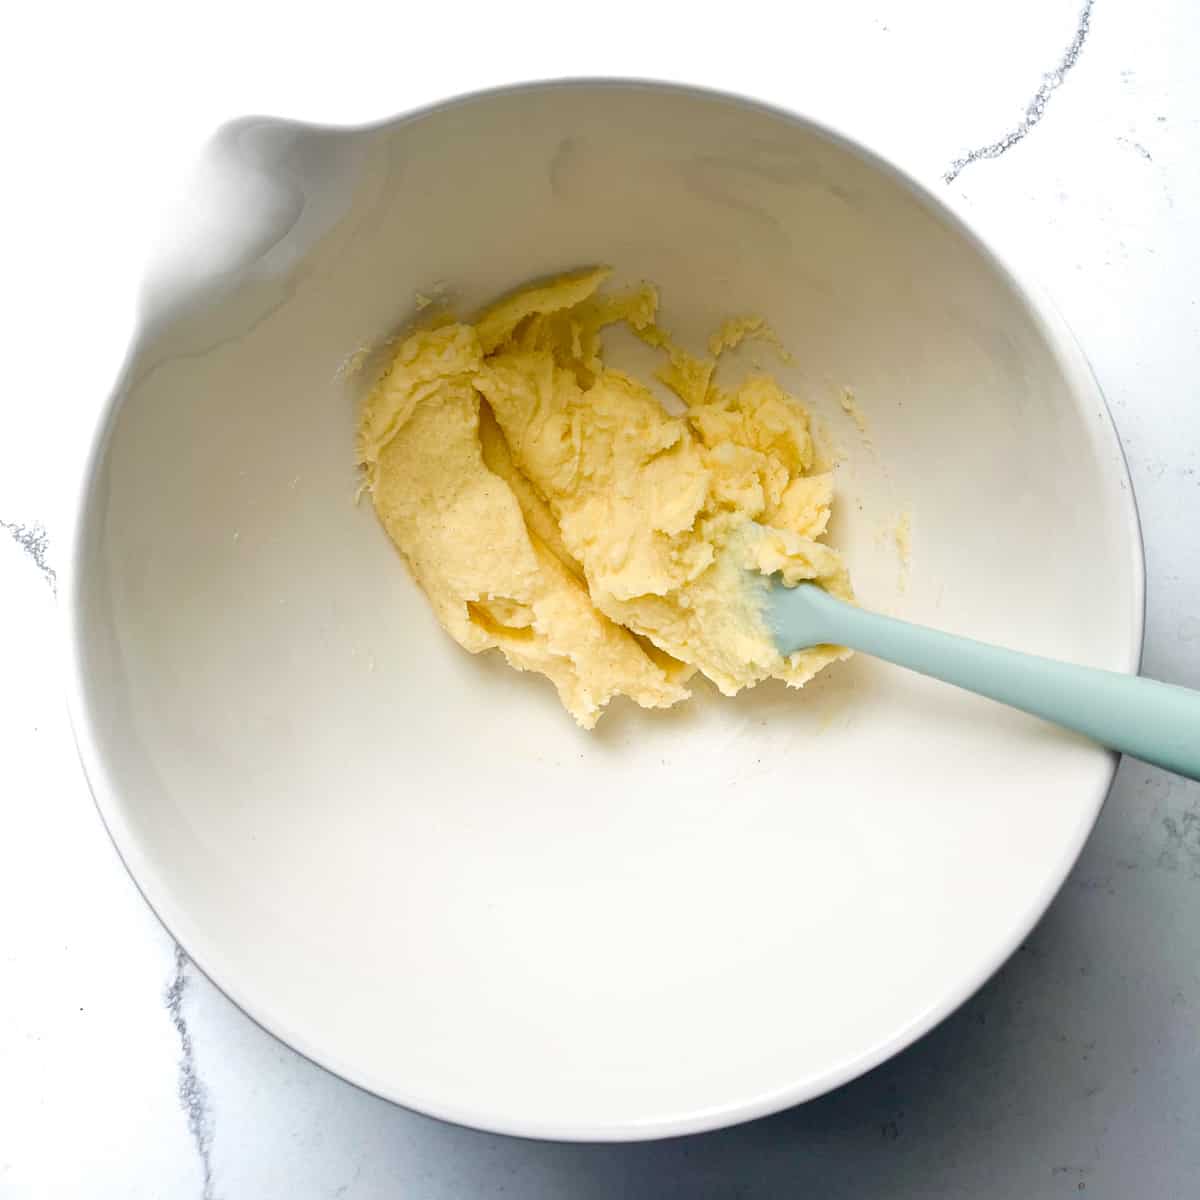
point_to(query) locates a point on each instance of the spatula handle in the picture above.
(1156, 722)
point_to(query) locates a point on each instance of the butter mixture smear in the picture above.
(551, 507)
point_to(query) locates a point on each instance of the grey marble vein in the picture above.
(1036, 108)
(1136, 147)
(34, 540)
(193, 1095)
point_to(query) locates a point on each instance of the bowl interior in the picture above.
(407, 861)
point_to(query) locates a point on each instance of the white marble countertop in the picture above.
(1072, 131)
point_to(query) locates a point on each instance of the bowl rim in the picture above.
(105, 787)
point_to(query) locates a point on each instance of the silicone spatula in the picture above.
(1156, 722)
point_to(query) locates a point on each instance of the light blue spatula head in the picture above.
(1156, 722)
(802, 616)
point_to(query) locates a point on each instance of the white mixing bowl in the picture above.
(407, 862)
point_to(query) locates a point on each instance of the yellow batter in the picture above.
(551, 507)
